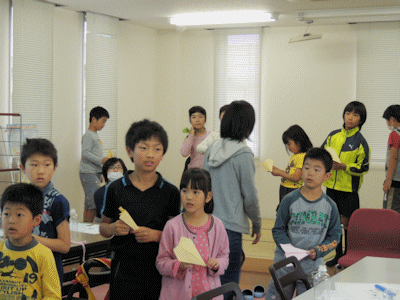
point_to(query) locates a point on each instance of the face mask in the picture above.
(391, 128)
(114, 175)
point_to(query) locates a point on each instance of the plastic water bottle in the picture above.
(73, 221)
(322, 284)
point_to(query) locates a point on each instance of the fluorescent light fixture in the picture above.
(350, 12)
(221, 17)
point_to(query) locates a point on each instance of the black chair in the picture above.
(226, 288)
(290, 278)
(95, 278)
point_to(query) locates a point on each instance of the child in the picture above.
(182, 280)
(231, 165)
(391, 187)
(151, 201)
(296, 141)
(197, 117)
(27, 267)
(39, 163)
(347, 176)
(308, 219)
(213, 136)
(92, 159)
(113, 169)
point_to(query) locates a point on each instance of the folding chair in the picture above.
(85, 279)
(229, 287)
(372, 232)
(296, 275)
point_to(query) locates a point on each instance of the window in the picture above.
(378, 79)
(237, 74)
(32, 58)
(100, 77)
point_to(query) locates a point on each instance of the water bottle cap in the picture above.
(322, 268)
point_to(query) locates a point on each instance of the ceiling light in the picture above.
(222, 17)
(350, 12)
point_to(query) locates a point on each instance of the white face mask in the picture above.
(391, 128)
(114, 175)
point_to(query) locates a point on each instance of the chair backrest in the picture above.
(375, 230)
(85, 279)
(229, 287)
(290, 278)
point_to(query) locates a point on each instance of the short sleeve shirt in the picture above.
(295, 162)
(150, 208)
(394, 141)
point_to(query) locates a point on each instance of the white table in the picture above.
(367, 270)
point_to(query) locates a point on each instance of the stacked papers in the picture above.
(187, 252)
(126, 217)
(268, 164)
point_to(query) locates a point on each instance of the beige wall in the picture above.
(162, 74)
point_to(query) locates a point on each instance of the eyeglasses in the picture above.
(115, 168)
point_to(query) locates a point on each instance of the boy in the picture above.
(308, 219)
(39, 163)
(151, 201)
(92, 159)
(27, 268)
(391, 186)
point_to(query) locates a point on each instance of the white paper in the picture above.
(362, 291)
(89, 228)
(290, 250)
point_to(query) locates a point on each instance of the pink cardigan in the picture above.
(189, 148)
(177, 285)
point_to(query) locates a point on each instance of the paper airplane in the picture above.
(334, 155)
(126, 217)
(290, 250)
(110, 154)
(187, 252)
(268, 164)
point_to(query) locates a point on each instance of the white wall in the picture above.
(67, 104)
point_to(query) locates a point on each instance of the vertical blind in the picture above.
(101, 80)
(237, 74)
(32, 63)
(378, 79)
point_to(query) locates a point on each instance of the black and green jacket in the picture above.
(353, 150)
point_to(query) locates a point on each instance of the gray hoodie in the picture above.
(231, 165)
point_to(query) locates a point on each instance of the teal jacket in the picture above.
(353, 150)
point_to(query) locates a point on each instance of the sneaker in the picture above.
(331, 263)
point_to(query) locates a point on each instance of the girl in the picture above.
(182, 280)
(347, 176)
(296, 141)
(231, 165)
(197, 117)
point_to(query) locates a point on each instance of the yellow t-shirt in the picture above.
(28, 272)
(296, 161)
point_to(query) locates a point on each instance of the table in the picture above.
(95, 245)
(367, 270)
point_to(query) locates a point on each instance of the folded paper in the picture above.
(290, 250)
(187, 252)
(334, 155)
(268, 164)
(126, 217)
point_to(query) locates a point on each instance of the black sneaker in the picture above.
(331, 263)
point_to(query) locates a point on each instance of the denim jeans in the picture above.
(232, 273)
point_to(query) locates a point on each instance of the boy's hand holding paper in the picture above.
(126, 217)
(186, 252)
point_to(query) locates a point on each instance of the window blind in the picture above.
(32, 63)
(378, 79)
(101, 82)
(237, 74)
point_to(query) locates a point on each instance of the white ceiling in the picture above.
(156, 13)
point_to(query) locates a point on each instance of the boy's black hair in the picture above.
(358, 108)
(197, 109)
(322, 155)
(38, 146)
(223, 109)
(26, 194)
(143, 131)
(299, 136)
(199, 179)
(238, 121)
(98, 112)
(110, 162)
(392, 111)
